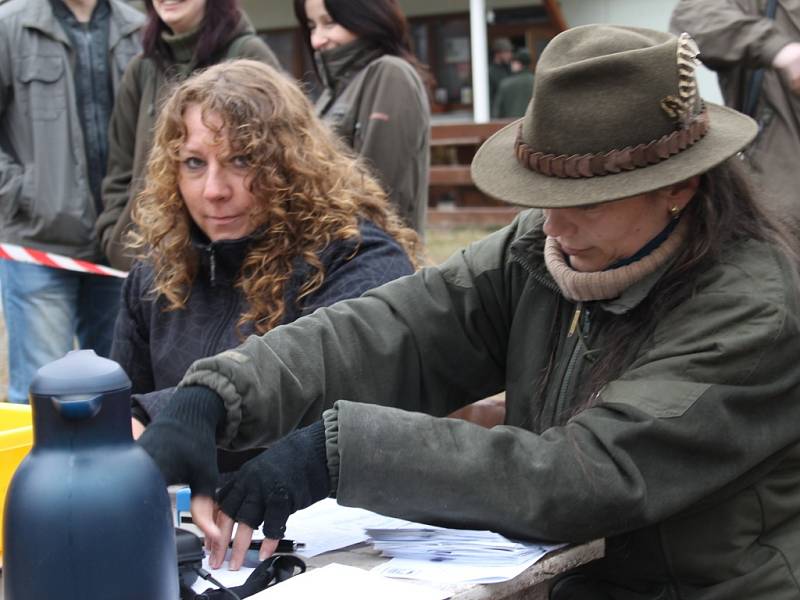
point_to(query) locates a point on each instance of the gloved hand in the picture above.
(288, 476)
(182, 439)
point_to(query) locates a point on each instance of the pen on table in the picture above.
(284, 545)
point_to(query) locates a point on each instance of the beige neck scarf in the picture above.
(605, 285)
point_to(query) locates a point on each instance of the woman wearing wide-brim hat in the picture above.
(644, 327)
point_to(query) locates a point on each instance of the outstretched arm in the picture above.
(431, 342)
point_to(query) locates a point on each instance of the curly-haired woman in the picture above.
(252, 216)
(179, 39)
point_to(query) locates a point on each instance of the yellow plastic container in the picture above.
(16, 439)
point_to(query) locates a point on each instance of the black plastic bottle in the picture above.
(87, 513)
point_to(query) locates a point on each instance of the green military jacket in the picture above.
(688, 464)
(378, 106)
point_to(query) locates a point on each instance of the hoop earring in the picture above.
(674, 212)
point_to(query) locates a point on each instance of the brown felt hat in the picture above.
(615, 113)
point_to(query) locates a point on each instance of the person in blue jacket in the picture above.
(253, 215)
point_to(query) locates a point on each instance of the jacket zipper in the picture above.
(576, 318)
(548, 283)
(232, 304)
(573, 359)
(213, 340)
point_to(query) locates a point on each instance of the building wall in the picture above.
(278, 14)
(419, 8)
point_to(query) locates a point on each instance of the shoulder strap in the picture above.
(772, 7)
(756, 79)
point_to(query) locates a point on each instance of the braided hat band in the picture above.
(613, 161)
(691, 126)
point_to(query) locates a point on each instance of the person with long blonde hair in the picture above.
(179, 38)
(253, 215)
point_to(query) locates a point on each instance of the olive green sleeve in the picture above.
(431, 342)
(121, 150)
(706, 411)
(727, 34)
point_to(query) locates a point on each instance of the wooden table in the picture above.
(532, 584)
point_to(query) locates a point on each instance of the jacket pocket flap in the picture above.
(41, 68)
(661, 399)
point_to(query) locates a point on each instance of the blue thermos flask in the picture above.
(87, 513)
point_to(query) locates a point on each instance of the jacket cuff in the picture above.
(330, 419)
(139, 413)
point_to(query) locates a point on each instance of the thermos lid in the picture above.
(79, 372)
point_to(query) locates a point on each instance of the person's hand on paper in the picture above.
(182, 442)
(290, 475)
(787, 61)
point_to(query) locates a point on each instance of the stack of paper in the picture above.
(454, 555)
(462, 545)
(326, 526)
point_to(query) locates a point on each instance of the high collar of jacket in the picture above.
(182, 47)
(220, 261)
(528, 250)
(337, 65)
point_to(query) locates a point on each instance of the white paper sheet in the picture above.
(326, 526)
(223, 575)
(473, 557)
(341, 582)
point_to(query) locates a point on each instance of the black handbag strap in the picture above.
(757, 78)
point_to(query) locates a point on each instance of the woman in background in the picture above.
(179, 38)
(253, 215)
(374, 96)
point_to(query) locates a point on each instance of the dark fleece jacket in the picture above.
(156, 347)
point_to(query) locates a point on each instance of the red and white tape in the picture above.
(55, 261)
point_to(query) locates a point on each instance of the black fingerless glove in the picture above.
(288, 476)
(182, 439)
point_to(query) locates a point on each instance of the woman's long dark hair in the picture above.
(723, 211)
(379, 21)
(220, 19)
